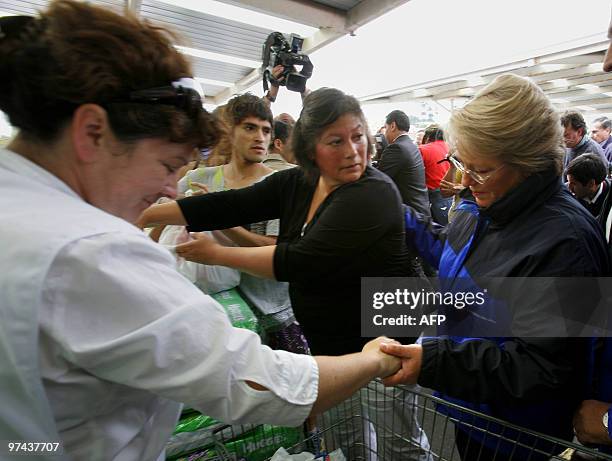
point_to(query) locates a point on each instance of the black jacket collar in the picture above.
(528, 195)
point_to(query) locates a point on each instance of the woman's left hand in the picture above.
(202, 249)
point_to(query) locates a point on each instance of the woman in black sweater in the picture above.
(340, 220)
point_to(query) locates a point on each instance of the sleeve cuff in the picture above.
(188, 207)
(280, 258)
(429, 362)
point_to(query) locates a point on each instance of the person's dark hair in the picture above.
(433, 133)
(75, 53)
(586, 167)
(400, 118)
(321, 108)
(605, 122)
(573, 119)
(247, 105)
(282, 131)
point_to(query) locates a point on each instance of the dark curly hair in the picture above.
(75, 53)
(574, 119)
(247, 105)
(321, 108)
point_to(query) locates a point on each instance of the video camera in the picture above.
(280, 51)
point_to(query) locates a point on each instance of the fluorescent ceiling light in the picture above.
(551, 67)
(607, 93)
(560, 83)
(420, 93)
(208, 81)
(588, 86)
(585, 108)
(466, 92)
(559, 100)
(244, 15)
(219, 57)
(597, 67)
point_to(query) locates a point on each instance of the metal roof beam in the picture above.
(574, 92)
(591, 79)
(594, 58)
(595, 103)
(361, 14)
(580, 70)
(368, 10)
(239, 87)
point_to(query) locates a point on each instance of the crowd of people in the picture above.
(103, 340)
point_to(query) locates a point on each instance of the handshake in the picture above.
(398, 364)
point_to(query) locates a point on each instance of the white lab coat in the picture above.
(100, 337)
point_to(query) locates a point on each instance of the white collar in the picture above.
(22, 166)
(399, 136)
(596, 196)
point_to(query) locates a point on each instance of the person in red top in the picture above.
(434, 151)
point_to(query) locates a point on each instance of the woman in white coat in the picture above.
(100, 338)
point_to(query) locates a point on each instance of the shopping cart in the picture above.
(359, 433)
(373, 426)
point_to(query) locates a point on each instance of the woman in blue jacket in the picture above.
(518, 357)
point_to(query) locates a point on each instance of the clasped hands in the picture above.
(400, 364)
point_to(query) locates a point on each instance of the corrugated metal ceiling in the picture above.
(208, 32)
(229, 38)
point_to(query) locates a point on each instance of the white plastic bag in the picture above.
(209, 279)
(282, 455)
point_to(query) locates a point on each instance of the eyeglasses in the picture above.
(185, 99)
(479, 178)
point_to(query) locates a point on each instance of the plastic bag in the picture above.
(209, 279)
(282, 455)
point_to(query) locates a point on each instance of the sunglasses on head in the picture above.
(185, 99)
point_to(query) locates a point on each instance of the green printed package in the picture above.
(257, 444)
(196, 432)
(238, 311)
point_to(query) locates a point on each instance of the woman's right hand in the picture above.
(448, 189)
(389, 364)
